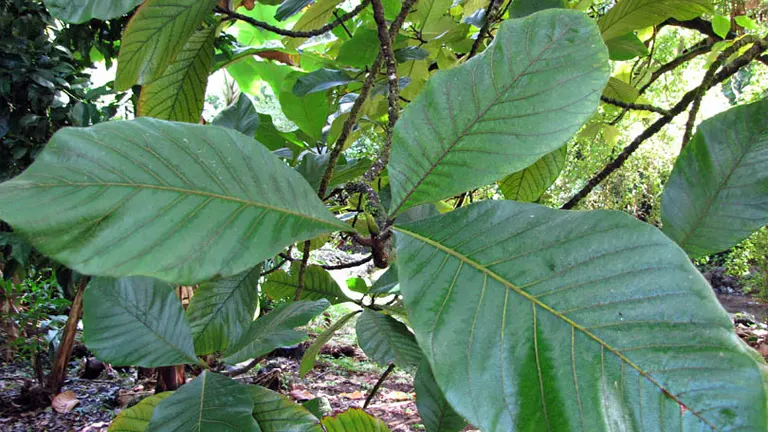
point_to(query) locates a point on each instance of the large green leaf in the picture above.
(309, 112)
(541, 319)
(361, 50)
(175, 201)
(521, 8)
(629, 15)
(388, 283)
(80, 11)
(430, 18)
(308, 360)
(312, 167)
(386, 340)
(179, 93)
(626, 47)
(221, 310)
(717, 194)
(136, 321)
(498, 113)
(318, 284)
(136, 418)
(209, 403)
(620, 90)
(435, 412)
(275, 330)
(250, 73)
(320, 80)
(156, 34)
(530, 184)
(240, 116)
(277, 413)
(353, 420)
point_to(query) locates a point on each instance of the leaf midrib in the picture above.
(499, 93)
(466, 260)
(188, 192)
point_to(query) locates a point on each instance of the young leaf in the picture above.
(620, 90)
(136, 321)
(434, 410)
(275, 330)
(308, 360)
(179, 93)
(716, 195)
(277, 413)
(386, 340)
(318, 284)
(721, 25)
(77, 12)
(630, 15)
(155, 36)
(175, 201)
(221, 310)
(320, 80)
(353, 420)
(575, 320)
(136, 418)
(240, 116)
(209, 403)
(498, 113)
(626, 47)
(746, 22)
(530, 184)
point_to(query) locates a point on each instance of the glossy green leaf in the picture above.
(80, 11)
(717, 194)
(314, 17)
(530, 184)
(221, 310)
(309, 112)
(534, 318)
(522, 8)
(250, 74)
(746, 22)
(353, 420)
(411, 53)
(277, 413)
(524, 97)
(386, 340)
(310, 355)
(274, 139)
(358, 285)
(156, 34)
(179, 202)
(209, 403)
(179, 93)
(289, 8)
(275, 330)
(240, 116)
(626, 47)
(136, 418)
(435, 412)
(312, 168)
(630, 15)
(721, 25)
(318, 284)
(136, 321)
(361, 50)
(320, 80)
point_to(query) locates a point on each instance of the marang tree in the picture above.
(523, 317)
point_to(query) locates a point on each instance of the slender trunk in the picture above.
(170, 378)
(59, 369)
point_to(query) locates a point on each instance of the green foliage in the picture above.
(136, 418)
(386, 340)
(85, 10)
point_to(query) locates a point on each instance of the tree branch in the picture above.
(727, 71)
(378, 384)
(237, 372)
(634, 106)
(297, 33)
(700, 48)
(705, 27)
(484, 30)
(352, 264)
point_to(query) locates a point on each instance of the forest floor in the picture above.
(342, 375)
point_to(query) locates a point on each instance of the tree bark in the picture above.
(59, 369)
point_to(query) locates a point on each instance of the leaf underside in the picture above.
(277, 413)
(175, 201)
(530, 184)
(498, 113)
(717, 194)
(534, 318)
(318, 284)
(629, 15)
(80, 11)
(386, 340)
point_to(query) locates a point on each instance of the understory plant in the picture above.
(514, 315)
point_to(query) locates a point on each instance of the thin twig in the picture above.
(244, 369)
(352, 264)
(484, 30)
(378, 384)
(302, 270)
(635, 106)
(295, 33)
(729, 70)
(700, 48)
(274, 269)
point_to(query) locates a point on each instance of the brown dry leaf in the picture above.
(355, 395)
(397, 396)
(301, 395)
(249, 4)
(65, 402)
(763, 349)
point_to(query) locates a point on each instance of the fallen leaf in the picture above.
(397, 396)
(763, 349)
(301, 395)
(65, 402)
(354, 395)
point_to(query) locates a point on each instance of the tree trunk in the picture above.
(59, 369)
(170, 378)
